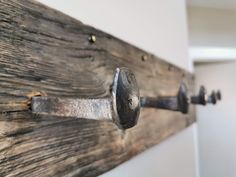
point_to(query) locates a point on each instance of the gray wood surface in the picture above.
(44, 52)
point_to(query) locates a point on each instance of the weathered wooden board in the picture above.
(44, 51)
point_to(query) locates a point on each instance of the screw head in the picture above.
(92, 38)
(144, 58)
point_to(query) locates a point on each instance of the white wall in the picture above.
(159, 27)
(154, 25)
(217, 124)
(172, 158)
(212, 33)
(219, 4)
(212, 37)
(212, 27)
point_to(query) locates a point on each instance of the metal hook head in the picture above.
(218, 95)
(125, 98)
(183, 98)
(202, 95)
(213, 97)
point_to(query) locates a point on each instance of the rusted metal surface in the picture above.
(169, 103)
(212, 98)
(125, 96)
(98, 109)
(201, 98)
(173, 103)
(122, 108)
(218, 95)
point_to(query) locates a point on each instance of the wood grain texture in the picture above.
(43, 51)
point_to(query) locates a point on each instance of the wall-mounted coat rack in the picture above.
(123, 107)
(48, 59)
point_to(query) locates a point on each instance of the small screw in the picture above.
(144, 58)
(92, 38)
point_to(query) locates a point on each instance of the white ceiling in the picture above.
(221, 4)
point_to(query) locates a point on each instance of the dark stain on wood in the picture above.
(45, 51)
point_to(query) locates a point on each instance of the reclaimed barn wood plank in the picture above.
(44, 52)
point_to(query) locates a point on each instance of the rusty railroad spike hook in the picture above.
(218, 95)
(173, 103)
(122, 107)
(213, 97)
(201, 98)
